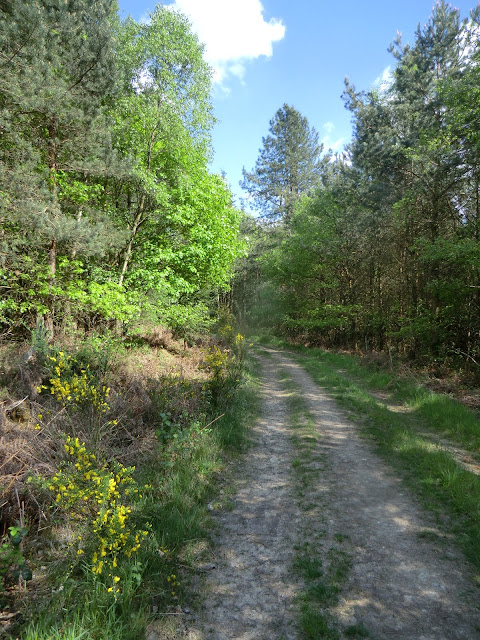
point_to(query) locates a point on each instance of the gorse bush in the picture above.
(216, 361)
(85, 486)
(225, 364)
(239, 347)
(71, 388)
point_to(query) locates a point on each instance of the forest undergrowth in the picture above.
(111, 451)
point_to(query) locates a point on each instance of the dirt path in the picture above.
(249, 593)
(402, 584)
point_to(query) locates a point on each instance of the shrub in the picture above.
(75, 388)
(83, 486)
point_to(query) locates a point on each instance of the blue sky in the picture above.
(270, 52)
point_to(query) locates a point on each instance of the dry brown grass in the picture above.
(22, 450)
(135, 377)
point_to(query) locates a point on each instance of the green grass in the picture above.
(356, 631)
(183, 481)
(448, 417)
(445, 487)
(322, 588)
(437, 412)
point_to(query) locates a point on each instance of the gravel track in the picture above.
(401, 585)
(249, 593)
(404, 584)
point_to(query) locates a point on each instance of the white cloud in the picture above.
(328, 143)
(329, 127)
(234, 32)
(385, 79)
(335, 146)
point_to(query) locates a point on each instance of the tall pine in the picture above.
(57, 71)
(289, 165)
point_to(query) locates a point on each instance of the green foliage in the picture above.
(25, 292)
(12, 562)
(187, 320)
(107, 207)
(39, 343)
(53, 87)
(183, 229)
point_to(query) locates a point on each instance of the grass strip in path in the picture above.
(322, 564)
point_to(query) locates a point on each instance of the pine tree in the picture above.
(57, 70)
(288, 166)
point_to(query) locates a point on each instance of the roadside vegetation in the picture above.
(106, 474)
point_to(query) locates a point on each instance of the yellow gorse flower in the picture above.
(84, 484)
(70, 388)
(217, 360)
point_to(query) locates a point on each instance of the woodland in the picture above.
(130, 280)
(108, 210)
(378, 248)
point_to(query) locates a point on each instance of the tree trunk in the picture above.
(128, 251)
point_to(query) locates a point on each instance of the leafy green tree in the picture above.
(460, 96)
(162, 121)
(106, 202)
(289, 165)
(191, 247)
(181, 225)
(413, 175)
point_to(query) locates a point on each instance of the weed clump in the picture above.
(13, 566)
